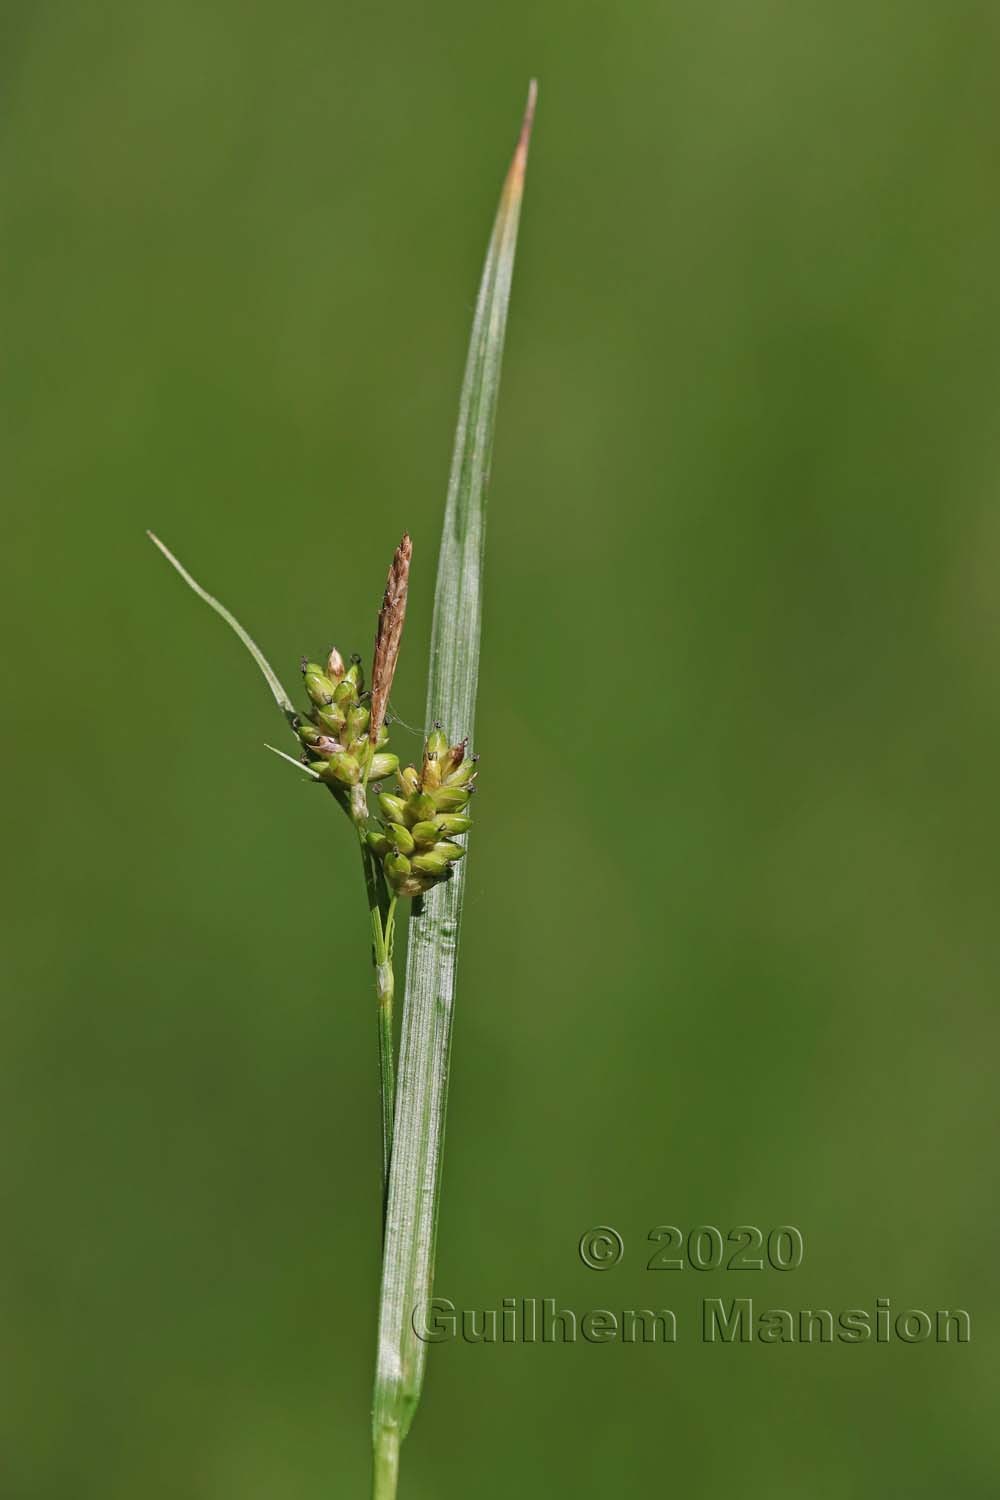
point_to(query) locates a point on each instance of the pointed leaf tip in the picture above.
(515, 177)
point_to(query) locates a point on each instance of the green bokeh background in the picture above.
(731, 950)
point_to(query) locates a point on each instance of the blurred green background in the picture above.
(731, 949)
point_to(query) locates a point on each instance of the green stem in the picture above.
(385, 986)
(386, 1473)
(385, 989)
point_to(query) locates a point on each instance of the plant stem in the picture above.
(385, 987)
(386, 1465)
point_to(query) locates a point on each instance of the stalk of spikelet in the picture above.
(416, 845)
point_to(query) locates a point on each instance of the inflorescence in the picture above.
(415, 844)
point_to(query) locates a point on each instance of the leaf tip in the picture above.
(515, 177)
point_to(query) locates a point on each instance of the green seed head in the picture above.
(424, 819)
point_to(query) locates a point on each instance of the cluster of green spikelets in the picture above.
(336, 739)
(415, 845)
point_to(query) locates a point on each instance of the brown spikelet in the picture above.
(389, 633)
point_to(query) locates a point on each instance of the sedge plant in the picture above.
(411, 825)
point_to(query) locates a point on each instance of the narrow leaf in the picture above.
(280, 696)
(415, 1178)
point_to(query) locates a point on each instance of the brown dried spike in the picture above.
(389, 633)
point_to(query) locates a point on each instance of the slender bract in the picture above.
(415, 1175)
(381, 904)
(280, 696)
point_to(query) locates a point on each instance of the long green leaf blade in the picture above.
(280, 696)
(414, 1184)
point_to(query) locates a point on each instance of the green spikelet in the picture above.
(423, 819)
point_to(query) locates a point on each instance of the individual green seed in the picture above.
(430, 774)
(308, 733)
(449, 850)
(399, 837)
(345, 768)
(397, 866)
(409, 780)
(425, 834)
(331, 718)
(430, 863)
(383, 764)
(461, 773)
(317, 684)
(419, 809)
(392, 808)
(437, 744)
(453, 823)
(346, 693)
(450, 798)
(357, 722)
(378, 843)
